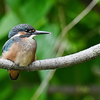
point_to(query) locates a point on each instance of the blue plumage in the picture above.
(20, 28)
(9, 43)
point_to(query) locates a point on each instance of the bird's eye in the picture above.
(31, 31)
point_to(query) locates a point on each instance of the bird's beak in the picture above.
(40, 32)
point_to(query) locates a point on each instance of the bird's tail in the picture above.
(13, 74)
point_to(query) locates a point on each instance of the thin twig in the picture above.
(74, 22)
(43, 85)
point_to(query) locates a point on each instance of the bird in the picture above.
(21, 47)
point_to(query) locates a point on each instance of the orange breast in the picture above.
(11, 54)
(22, 53)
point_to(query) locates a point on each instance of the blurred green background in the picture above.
(80, 82)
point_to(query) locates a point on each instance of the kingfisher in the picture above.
(21, 47)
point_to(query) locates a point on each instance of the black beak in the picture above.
(40, 32)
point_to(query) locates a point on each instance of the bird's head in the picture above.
(25, 30)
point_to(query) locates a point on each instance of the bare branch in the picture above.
(54, 63)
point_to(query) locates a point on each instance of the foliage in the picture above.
(53, 16)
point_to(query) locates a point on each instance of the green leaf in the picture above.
(3, 74)
(5, 92)
(23, 93)
(6, 23)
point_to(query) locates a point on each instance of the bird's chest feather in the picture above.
(27, 51)
(21, 52)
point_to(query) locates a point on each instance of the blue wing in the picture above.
(8, 44)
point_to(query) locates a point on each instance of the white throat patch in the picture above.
(15, 35)
(32, 36)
